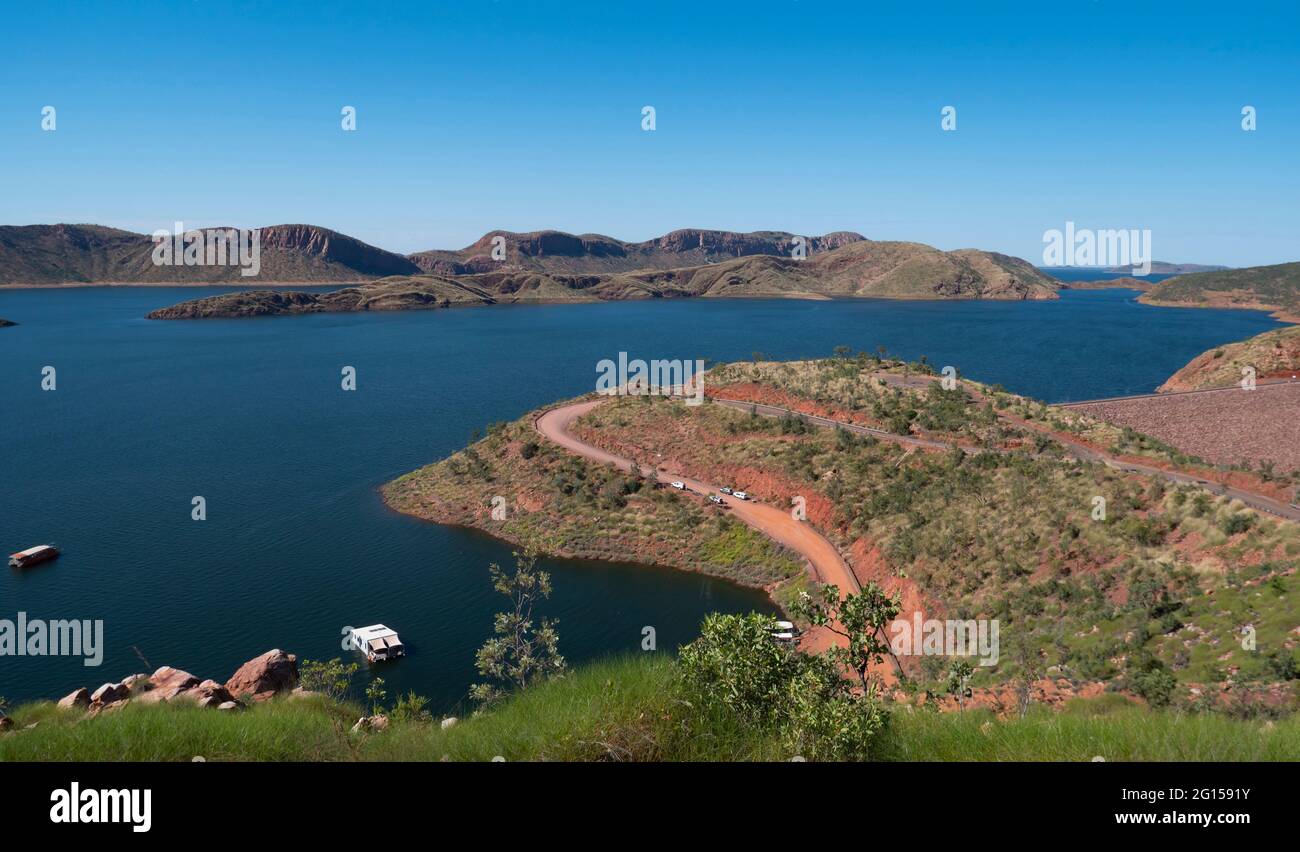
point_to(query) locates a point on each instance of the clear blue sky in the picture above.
(798, 116)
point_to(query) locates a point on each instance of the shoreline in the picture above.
(685, 561)
(1278, 313)
(87, 285)
(1281, 314)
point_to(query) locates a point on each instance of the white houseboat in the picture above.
(377, 642)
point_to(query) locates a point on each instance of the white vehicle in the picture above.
(377, 642)
(784, 631)
(714, 498)
(678, 484)
(740, 495)
(726, 489)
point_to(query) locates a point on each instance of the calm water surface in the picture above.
(250, 415)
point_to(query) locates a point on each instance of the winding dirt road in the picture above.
(1076, 448)
(778, 524)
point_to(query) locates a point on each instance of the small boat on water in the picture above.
(33, 556)
(377, 642)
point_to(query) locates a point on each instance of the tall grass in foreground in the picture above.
(310, 729)
(625, 709)
(1132, 734)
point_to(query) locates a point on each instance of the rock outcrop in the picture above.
(167, 683)
(109, 692)
(1272, 355)
(373, 724)
(265, 676)
(260, 678)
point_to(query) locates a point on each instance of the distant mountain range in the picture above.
(861, 268)
(1161, 267)
(556, 251)
(554, 266)
(93, 254)
(535, 266)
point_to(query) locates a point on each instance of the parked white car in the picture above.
(714, 498)
(784, 631)
(740, 495)
(726, 489)
(678, 484)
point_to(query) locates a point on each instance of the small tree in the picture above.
(331, 679)
(519, 653)
(375, 694)
(737, 670)
(411, 708)
(861, 618)
(1029, 660)
(959, 682)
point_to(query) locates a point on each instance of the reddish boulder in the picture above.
(167, 684)
(80, 698)
(137, 682)
(264, 676)
(109, 692)
(371, 723)
(209, 693)
(96, 709)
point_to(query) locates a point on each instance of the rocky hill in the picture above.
(92, 254)
(858, 269)
(388, 294)
(557, 251)
(1275, 288)
(538, 266)
(1273, 354)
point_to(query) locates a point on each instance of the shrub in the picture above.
(1237, 523)
(1149, 678)
(331, 679)
(1283, 666)
(736, 670)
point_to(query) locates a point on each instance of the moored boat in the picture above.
(33, 556)
(377, 642)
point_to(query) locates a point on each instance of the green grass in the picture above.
(277, 731)
(625, 709)
(1129, 734)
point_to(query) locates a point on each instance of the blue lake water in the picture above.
(250, 415)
